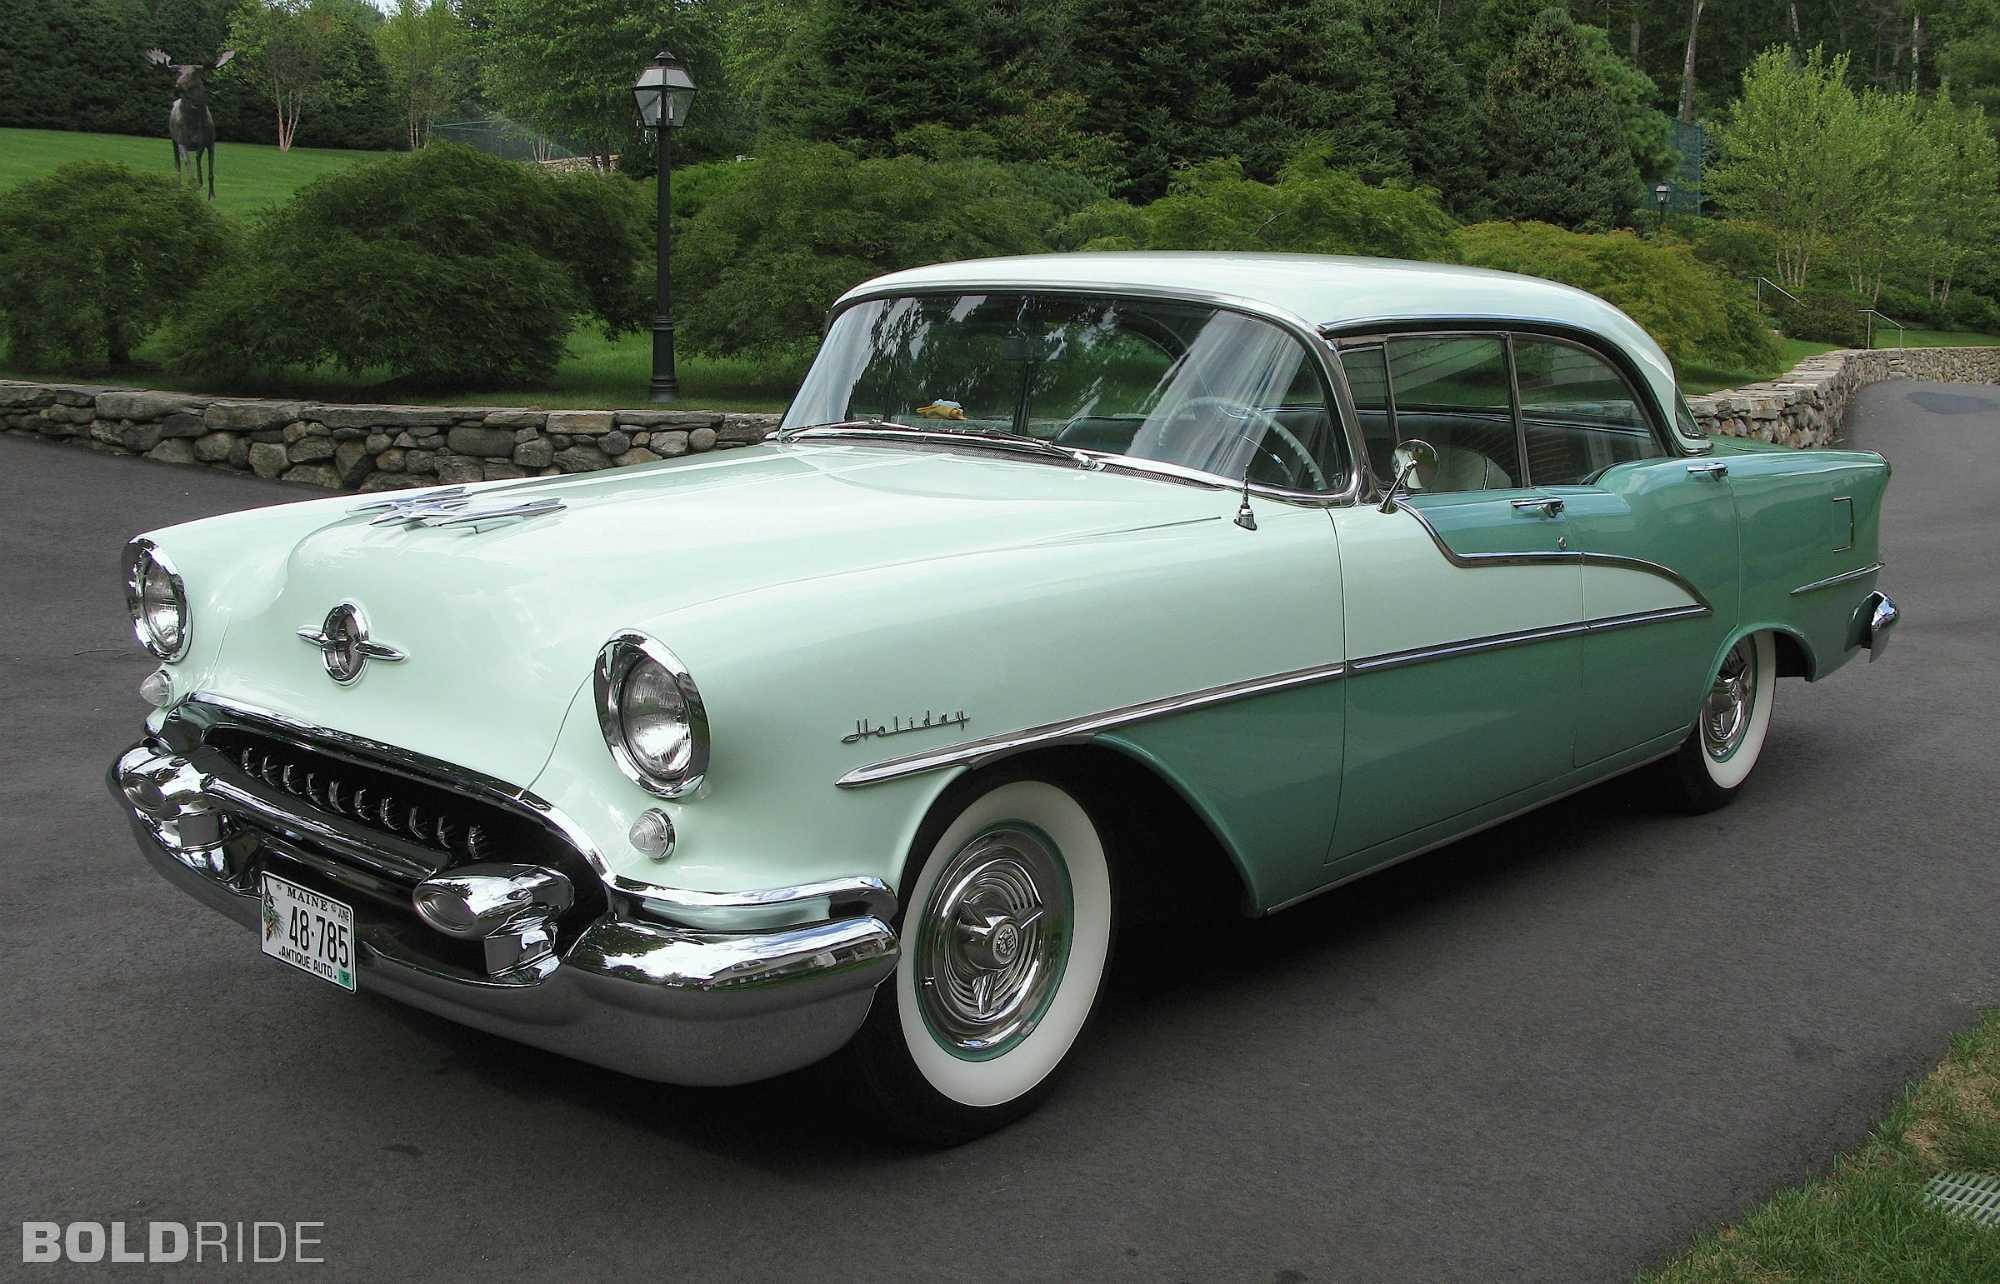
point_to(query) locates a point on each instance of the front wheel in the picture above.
(1006, 932)
(1728, 735)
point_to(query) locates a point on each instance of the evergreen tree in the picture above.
(1368, 83)
(876, 68)
(1497, 26)
(1553, 135)
(1155, 80)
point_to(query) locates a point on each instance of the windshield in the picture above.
(1181, 383)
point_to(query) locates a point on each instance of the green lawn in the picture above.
(1696, 379)
(1885, 337)
(1867, 1220)
(248, 176)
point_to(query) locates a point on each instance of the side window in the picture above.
(1367, 369)
(1578, 414)
(1452, 391)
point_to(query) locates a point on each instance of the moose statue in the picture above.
(188, 121)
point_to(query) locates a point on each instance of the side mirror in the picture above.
(1414, 456)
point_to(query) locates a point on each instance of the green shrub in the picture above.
(1699, 315)
(1311, 209)
(1824, 316)
(444, 267)
(94, 257)
(757, 267)
(1971, 311)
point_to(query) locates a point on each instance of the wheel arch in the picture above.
(1189, 865)
(1796, 657)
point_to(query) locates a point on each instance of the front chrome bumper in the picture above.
(650, 999)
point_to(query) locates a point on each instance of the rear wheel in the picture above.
(1728, 736)
(1006, 930)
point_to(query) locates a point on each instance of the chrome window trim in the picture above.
(615, 662)
(1842, 578)
(1377, 330)
(1332, 378)
(146, 548)
(864, 891)
(1079, 730)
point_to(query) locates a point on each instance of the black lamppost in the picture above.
(1660, 194)
(664, 93)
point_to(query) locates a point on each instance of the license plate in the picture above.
(311, 932)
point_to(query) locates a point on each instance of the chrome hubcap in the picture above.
(994, 939)
(1725, 715)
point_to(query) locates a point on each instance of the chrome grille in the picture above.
(459, 829)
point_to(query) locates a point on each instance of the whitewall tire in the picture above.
(1728, 736)
(1007, 926)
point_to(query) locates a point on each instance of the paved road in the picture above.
(1552, 1052)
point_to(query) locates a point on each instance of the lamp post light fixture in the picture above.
(664, 93)
(1660, 194)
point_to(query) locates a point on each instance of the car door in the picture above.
(1658, 534)
(1461, 606)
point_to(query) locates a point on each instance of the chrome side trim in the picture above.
(1470, 646)
(1524, 637)
(870, 894)
(1841, 578)
(1469, 560)
(1606, 623)
(1076, 730)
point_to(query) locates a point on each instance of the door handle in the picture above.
(1549, 504)
(1713, 471)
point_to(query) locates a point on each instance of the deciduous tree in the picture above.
(423, 46)
(1795, 155)
(566, 67)
(282, 45)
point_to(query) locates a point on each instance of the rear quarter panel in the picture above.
(1794, 507)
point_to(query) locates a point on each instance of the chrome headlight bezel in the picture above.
(616, 662)
(141, 556)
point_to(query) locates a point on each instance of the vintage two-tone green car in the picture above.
(1074, 590)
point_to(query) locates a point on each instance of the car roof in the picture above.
(1321, 290)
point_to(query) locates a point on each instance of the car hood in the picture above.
(500, 625)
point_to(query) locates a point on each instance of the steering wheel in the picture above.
(1271, 426)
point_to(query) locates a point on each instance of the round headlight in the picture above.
(651, 715)
(157, 599)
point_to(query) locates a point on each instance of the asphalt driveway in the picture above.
(1552, 1052)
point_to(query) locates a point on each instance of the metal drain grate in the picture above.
(1970, 1195)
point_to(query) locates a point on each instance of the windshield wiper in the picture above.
(991, 436)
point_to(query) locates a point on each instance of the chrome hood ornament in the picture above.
(344, 645)
(450, 507)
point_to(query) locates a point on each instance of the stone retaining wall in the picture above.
(373, 448)
(365, 448)
(1805, 406)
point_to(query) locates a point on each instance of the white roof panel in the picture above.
(1319, 290)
